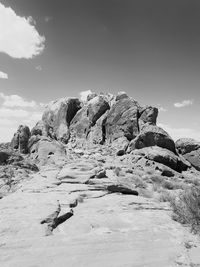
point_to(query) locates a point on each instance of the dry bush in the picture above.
(186, 208)
(165, 196)
(139, 183)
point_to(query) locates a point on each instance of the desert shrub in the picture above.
(145, 193)
(139, 183)
(186, 208)
(168, 185)
(156, 179)
(165, 196)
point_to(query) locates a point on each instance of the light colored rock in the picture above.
(58, 115)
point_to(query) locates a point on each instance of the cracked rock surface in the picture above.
(109, 229)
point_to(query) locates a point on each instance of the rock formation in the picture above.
(21, 138)
(103, 120)
(190, 149)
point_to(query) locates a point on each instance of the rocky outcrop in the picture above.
(122, 120)
(86, 118)
(190, 149)
(162, 155)
(152, 135)
(21, 138)
(46, 147)
(118, 122)
(39, 129)
(186, 145)
(58, 115)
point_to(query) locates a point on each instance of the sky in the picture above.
(57, 48)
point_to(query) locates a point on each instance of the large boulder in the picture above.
(86, 118)
(46, 147)
(148, 115)
(152, 135)
(163, 156)
(122, 120)
(21, 138)
(194, 158)
(186, 145)
(190, 149)
(126, 118)
(58, 115)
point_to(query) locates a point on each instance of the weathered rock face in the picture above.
(152, 135)
(148, 115)
(162, 155)
(39, 129)
(190, 149)
(46, 147)
(58, 115)
(20, 139)
(186, 145)
(122, 120)
(86, 118)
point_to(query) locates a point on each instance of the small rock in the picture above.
(122, 189)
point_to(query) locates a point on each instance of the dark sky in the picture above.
(148, 48)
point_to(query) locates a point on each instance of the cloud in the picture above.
(177, 133)
(15, 113)
(18, 35)
(184, 103)
(15, 110)
(84, 94)
(16, 101)
(39, 68)
(3, 75)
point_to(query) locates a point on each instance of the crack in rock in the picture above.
(53, 220)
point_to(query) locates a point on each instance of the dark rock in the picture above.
(122, 120)
(122, 189)
(26, 165)
(4, 156)
(39, 129)
(152, 135)
(162, 155)
(121, 152)
(20, 139)
(148, 115)
(101, 174)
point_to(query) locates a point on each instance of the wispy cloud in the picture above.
(16, 101)
(184, 103)
(3, 75)
(84, 94)
(177, 133)
(19, 37)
